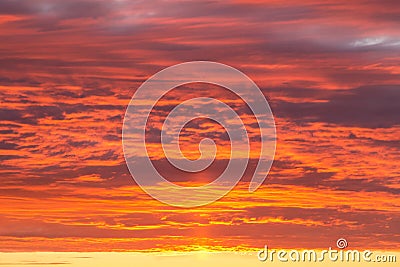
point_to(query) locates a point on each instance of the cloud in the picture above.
(329, 71)
(366, 106)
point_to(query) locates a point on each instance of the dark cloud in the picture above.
(9, 115)
(8, 157)
(58, 8)
(7, 146)
(16, 7)
(378, 184)
(367, 106)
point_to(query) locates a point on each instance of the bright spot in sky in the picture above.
(369, 41)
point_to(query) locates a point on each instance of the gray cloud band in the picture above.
(152, 90)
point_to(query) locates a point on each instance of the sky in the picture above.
(329, 70)
(167, 259)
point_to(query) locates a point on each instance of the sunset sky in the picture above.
(329, 69)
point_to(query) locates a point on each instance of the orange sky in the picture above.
(329, 69)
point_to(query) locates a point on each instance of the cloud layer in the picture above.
(330, 70)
